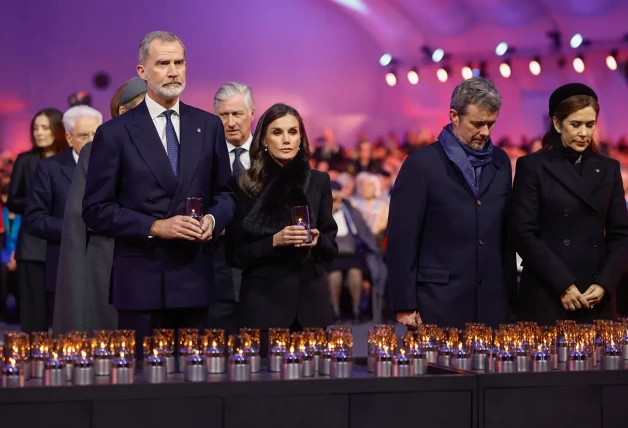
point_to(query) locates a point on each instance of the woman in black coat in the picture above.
(569, 217)
(282, 280)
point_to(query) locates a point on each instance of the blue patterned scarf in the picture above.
(468, 161)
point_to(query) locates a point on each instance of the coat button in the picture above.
(594, 274)
(480, 282)
(566, 213)
(594, 216)
(150, 201)
(567, 242)
(594, 244)
(479, 203)
(481, 242)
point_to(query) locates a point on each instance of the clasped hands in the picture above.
(184, 227)
(572, 299)
(295, 235)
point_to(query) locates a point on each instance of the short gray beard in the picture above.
(473, 146)
(167, 93)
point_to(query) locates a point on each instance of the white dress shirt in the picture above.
(156, 112)
(245, 157)
(75, 156)
(159, 119)
(341, 222)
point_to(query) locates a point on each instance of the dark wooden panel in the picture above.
(614, 406)
(549, 407)
(424, 409)
(303, 411)
(176, 412)
(48, 415)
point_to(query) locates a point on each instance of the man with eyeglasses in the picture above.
(45, 206)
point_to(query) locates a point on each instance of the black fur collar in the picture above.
(284, 187)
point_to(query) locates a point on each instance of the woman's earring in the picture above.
(265, 148)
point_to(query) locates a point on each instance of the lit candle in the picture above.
(611, 357)
(155, 368)
(461, 359)
(12, 375)
(195, 368)
(216, 360)
(307, 360)
(239, 366)
(506, 362)
(402, 365)
(541, 360)
(276, 357)
(577, 360)
(523, 359)
(102, 360)
(479, 356)
(122, 370)
(83, 373)
(292, 365)
(444, 355)
(324, 367)
(341, 362)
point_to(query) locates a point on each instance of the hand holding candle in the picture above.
(301, 217)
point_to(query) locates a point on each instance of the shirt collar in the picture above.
(75, 156)
(155, 110)
(246, 146)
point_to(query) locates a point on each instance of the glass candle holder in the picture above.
(301, 217)
(252, 347)
(239, 360)
(214, 349)
(194, 207)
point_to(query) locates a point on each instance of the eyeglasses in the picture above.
(84, 135)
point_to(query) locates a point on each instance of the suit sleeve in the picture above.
(326, 249)
(16, 198)
(510, 255)
(222, 206)
(38, 219)
(616, 237)
(405, 222)
(536, 255)
(101, 210)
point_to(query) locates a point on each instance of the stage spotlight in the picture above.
(476, 72)
(578, 64)
(438, 55)
(442, 74)
(467, 73)
(385, 59)
(391, 78)
(413, 76)
(576, 41)
(535, 66)
(501, 48)
(611, 60)
(504, 69)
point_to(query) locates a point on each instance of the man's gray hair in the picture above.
(71, 116)
(479, 91)
(230, 90)
(164, 36)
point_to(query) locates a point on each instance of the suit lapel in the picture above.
(146, 139)
(190, 145)
(565, 172)
(68, 164)
(486, 177)
(593, 173)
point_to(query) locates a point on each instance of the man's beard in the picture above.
(473, 145)
(168, 92)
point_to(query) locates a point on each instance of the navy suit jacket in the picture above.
(449, 253)
(130, 185)
(45, 206)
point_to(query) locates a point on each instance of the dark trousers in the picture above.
(31, 276)
(223, 314)
(144, 322)
(8, 284)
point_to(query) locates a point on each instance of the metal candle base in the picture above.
(370, 364)
(610, 362)
(256, 363)
(324, 366)
(83, 375)
(341, 369)
(122, 375)
(402, 370)
(577, 365)
(216, 364)
(539, 366)
(554, 361)
(26, 369)
(432, 356)
(155, 374)
(523, 363)
(624, 351)
(478, 361)
(55, 377)
(461, 363)
(37, 367)
(308, 367)
(102, 366)
(419, 366)
(384, 368)
(239, 372)
(316, 361)
(181, 363)
(171, 364)
(598, 353)
(491, 362)
(195, 373)
(505, 366)
(444, 360)
(13, 380)
(274, 363)
(69, 369)
(563, 354)
(291, 370)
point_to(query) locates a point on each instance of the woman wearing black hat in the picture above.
(569, 217)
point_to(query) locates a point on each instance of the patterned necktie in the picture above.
(237, 164)
(172, 143)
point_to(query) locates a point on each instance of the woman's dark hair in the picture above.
(564, 110)
(251, 181)
(56, 127)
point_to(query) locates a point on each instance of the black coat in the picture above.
(28, 247)
(569, 229)
(286, 284)
(448, 254)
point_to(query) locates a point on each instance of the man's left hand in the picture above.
(207, 226)
(594, 294)
(315, 234)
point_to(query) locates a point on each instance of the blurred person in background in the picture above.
(368, 200)
(11, 223)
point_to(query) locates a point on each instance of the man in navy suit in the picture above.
(45, 206)
(144, 165)
(449, 257)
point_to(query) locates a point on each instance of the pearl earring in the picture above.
(265, 148)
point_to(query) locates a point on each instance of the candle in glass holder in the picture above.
(611, 357)
(431, 352)
(384, 363)
(165, 338)
(38, 362)
(402, 365)
(418, 360)
(54, 371)
(624, 346)
(195, 368)
(188, 344)
(102, 360)
(506, 362)
(252, 348)
(577, 360)
(341, 363)
(301, 217)
(562, 349)
(444, 355)
(155, 368)
(479, 356)
(239, 361)
(307, 361)
(68, 359)
(278, 338)
(313, 351)
(83, 373)
(461, 358)
(194, 207)
(324, 366)
(215, 351)
(523, 359)
(12, 375)
(598, 348)
(122, 370)
(292, 365)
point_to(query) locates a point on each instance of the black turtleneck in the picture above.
(576, 158)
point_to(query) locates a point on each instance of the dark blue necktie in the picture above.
(237, 164)
(172, 143)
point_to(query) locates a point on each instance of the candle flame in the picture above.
(460, 346)
(292, 349)
(161, 344)
(102, 345)
(41, 349)
(240, 351)
(214, 345)
(403, 351)
(539, 348)
(196, 352)
(121, 354)
(54, 356)
(612, 342)
(83, 354)
(123, 344)
(190, 345)
(155, 353)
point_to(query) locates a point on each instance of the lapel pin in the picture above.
(198, 129)
(597, 170)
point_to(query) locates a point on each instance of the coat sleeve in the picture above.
(223, 206)
(616, 237)
(16, 198)
(536, 255)
(510, 255)
(38, 218)
(405, 222)
(101, 210)
(326, 248)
